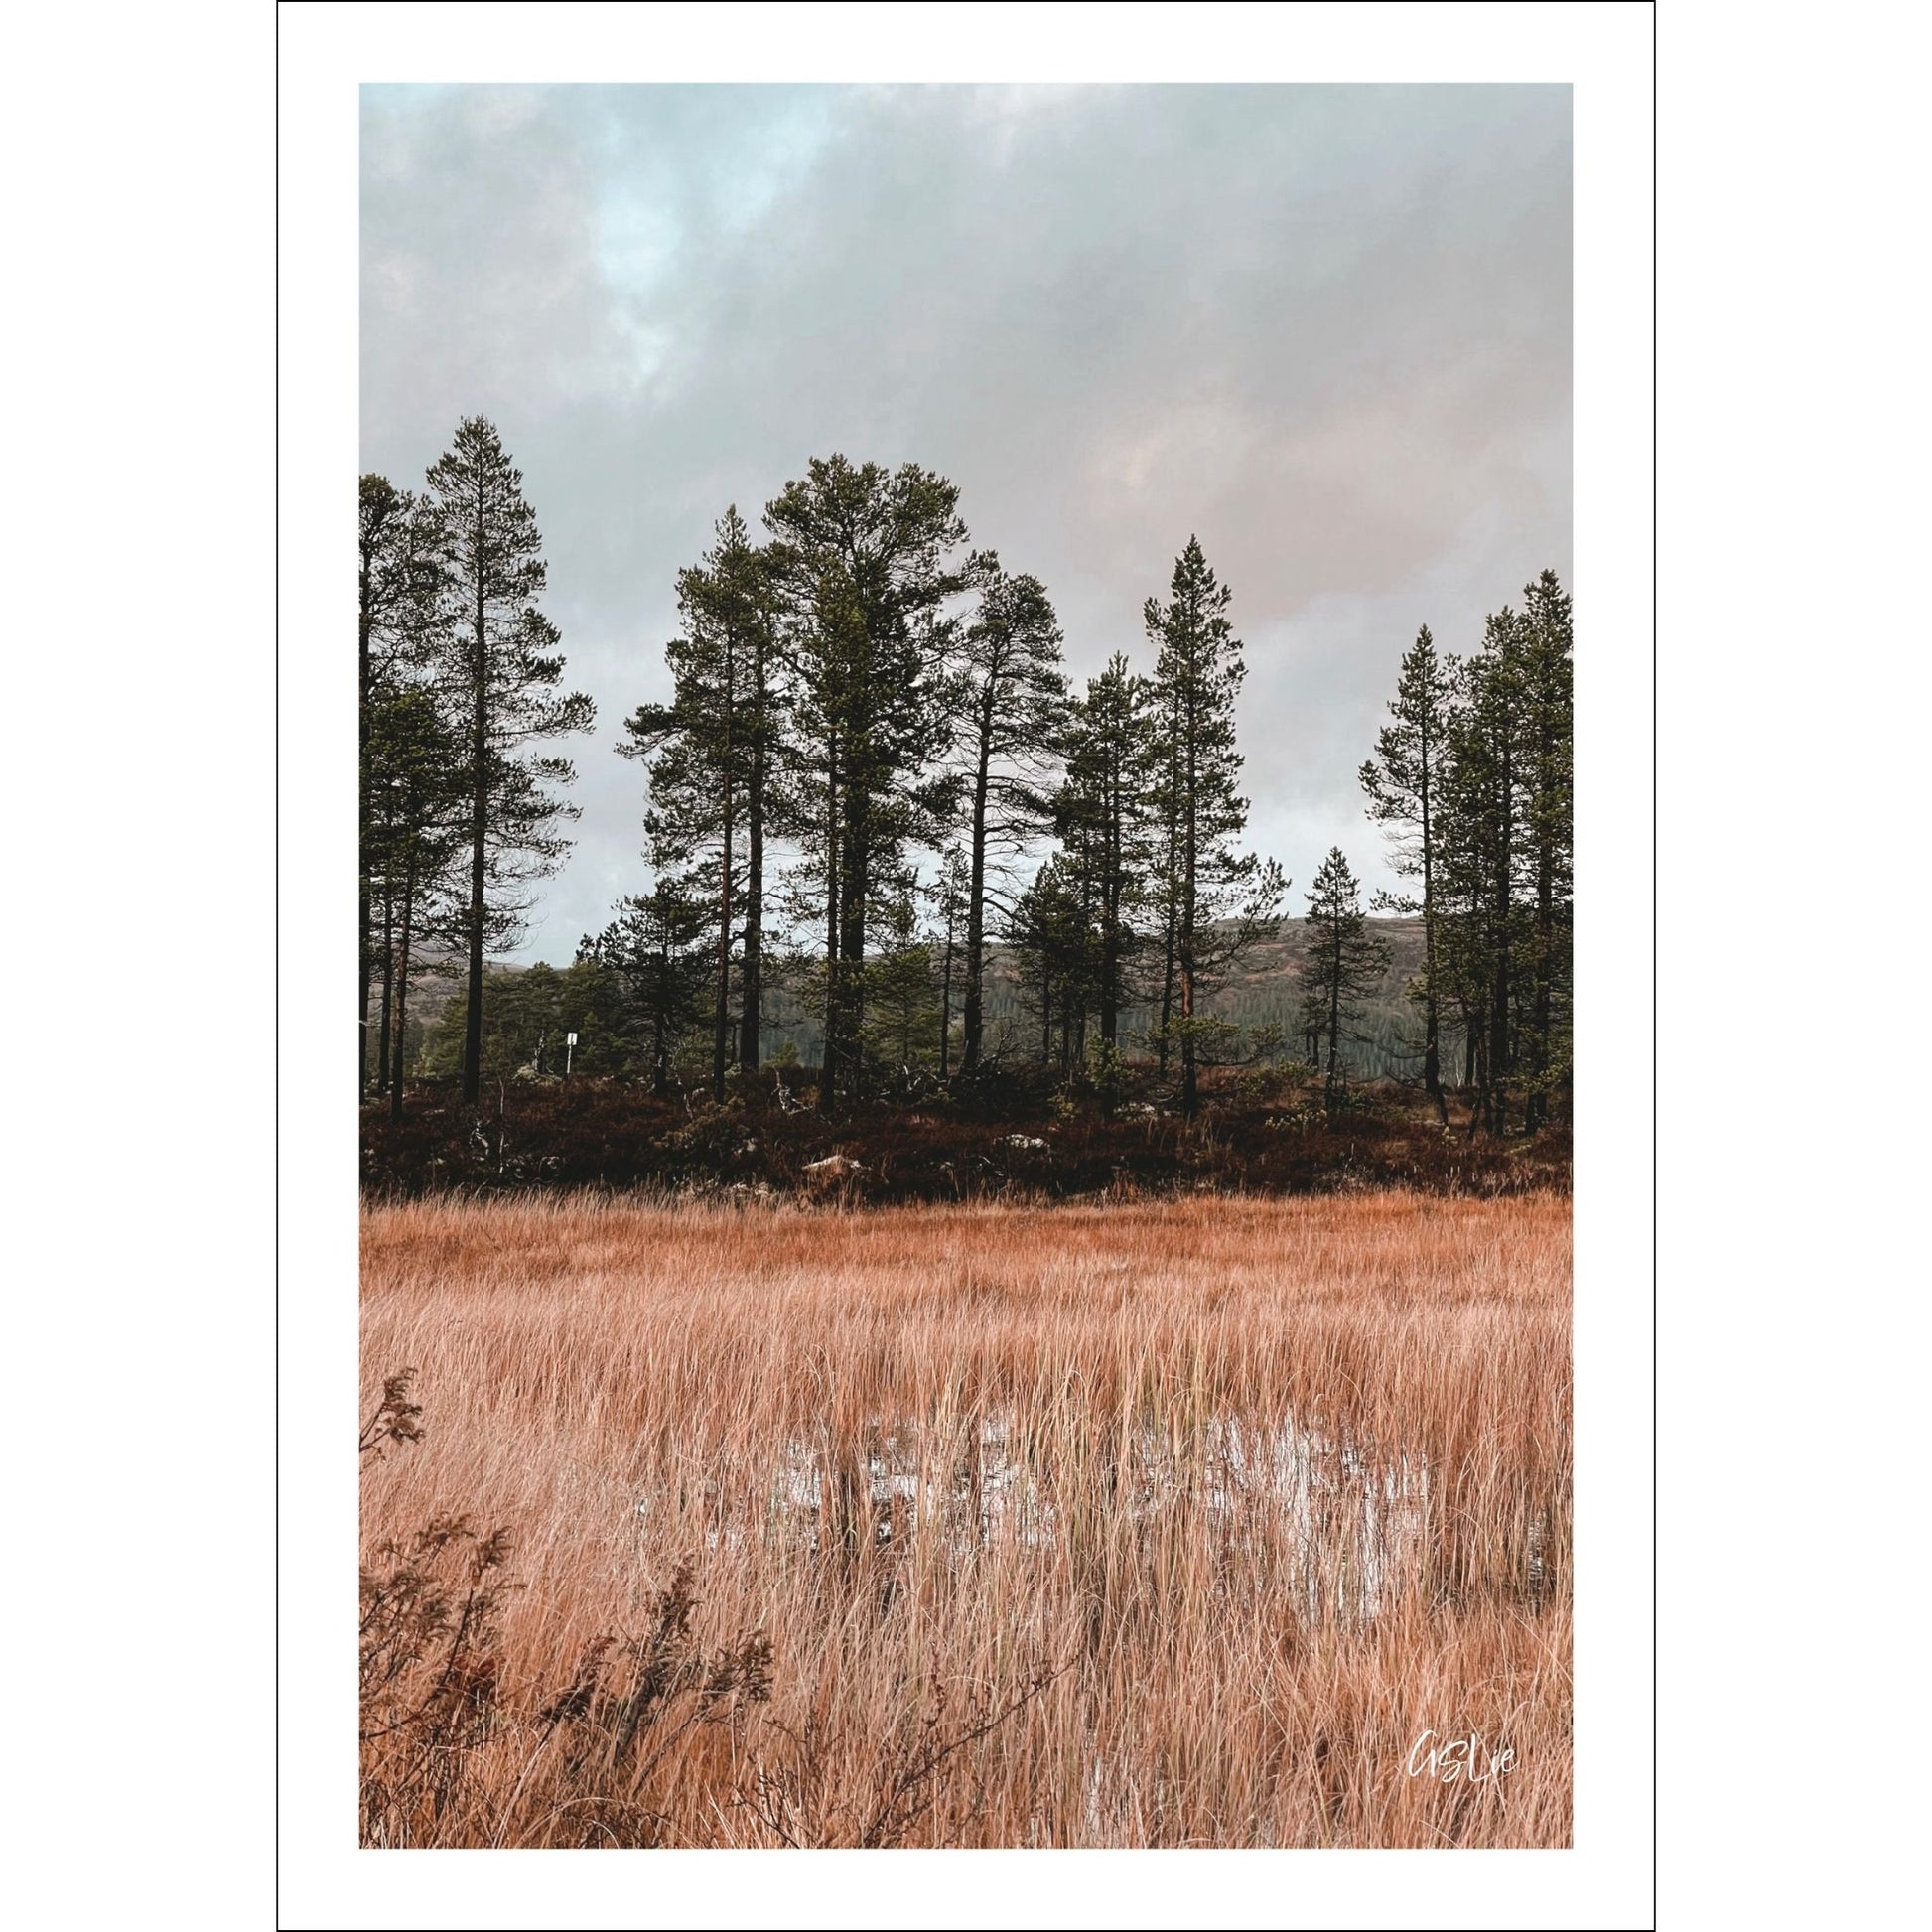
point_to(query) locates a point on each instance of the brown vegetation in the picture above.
(1259, 1132)
(1160, 1524)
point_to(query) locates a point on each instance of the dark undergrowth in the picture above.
(1252, 1135)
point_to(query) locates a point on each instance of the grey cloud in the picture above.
(1326, 329)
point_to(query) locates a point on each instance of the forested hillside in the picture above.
(533, 1008)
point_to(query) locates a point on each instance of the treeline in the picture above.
(530, 1011)
(863, 689)
(873, 769)
(1472, 778)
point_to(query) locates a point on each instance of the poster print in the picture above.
(965, 926)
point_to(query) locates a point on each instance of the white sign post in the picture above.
(570, 1053)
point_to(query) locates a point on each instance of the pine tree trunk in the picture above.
(1110, 978)
(1166, 995)
(478, 829)
(1109, 945)
(855, 880)
(388, 987)
(1538, 1104)
(720, 1019)
(368, 980)
(1479, 1080)
(974, 1019)
(1189, 1078)
(721, 1026)
(363, 857)
(1172, 911)
(402, 984)
(1334, 1017)
(1431, 1060)
(750, 1046)
(945, 992)
(828, 1074)
(1497, 1035)
(1499, 1045)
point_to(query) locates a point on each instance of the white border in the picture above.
(1604, 52)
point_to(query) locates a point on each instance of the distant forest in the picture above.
(529, 1011)
(887, 841)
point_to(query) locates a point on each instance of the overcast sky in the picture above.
(1326, 329)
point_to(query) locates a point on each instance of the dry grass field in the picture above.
(1152, 1525)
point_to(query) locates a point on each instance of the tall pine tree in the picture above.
(713, 771)
(1480, 944)
(1544, 645)
(396, 586)
(501, 665)
(1015, 700)
(1342, 964)
(1503, 877)
(1102, 819)
(1218, 900)
(1403, 783)
(866, 561)
(411, 844)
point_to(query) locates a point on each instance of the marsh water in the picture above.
(1332, 1517)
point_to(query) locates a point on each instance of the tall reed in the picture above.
(1175, 1524)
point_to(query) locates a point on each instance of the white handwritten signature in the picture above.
(1465, 1761)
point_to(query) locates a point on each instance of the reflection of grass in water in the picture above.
(1271, 1486)
(1343, 1516)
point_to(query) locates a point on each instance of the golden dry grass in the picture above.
(1162, 1525)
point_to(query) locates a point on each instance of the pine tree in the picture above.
(412, 839)
(949, 896)
(1219, 902)
(737, 597)
(864, 558)
(1053, 947)
(1482, 863)
(1543, 642)
(1015, 698)
(656, 946)
(1166, 794)
(711, 757)
(396, 585)
(901, 992)
(1504, 881)
(501, 665)
(1101, 818)
(1403, 786)
(1344, 963)
(381, 508)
